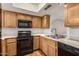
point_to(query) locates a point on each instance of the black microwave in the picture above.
(24, 24)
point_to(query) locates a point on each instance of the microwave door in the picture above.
(24, 24)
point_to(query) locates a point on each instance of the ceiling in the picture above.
(35, 3)
(33, 8)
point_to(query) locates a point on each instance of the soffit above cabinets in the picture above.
(34, 7)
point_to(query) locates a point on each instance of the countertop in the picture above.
(8, 37)
(62, 40)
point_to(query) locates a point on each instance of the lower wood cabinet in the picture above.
(48, 46)
(44, 46)
(36, 42)
(11, 49)
(11, 46)
(51, 50)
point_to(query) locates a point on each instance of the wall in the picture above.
(74, 32)
(58, 20)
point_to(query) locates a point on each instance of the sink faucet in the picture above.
(54, 29)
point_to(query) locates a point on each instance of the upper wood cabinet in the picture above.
(46, 21)
(20, 16)
(36, 42)
(36, 22)
(9, 19)
(28, 17)
(24, 17)
(71, 15)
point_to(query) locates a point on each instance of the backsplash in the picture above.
(74, 32)
(14, 31)
(9, 32)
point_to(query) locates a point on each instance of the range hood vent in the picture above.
(47, 7)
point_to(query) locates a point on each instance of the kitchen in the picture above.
(44, 27)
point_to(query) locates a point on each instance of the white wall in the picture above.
(74, 32)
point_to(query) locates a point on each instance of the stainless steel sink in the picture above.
(57, 37)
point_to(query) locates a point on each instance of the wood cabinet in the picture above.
(51, 50)
(9, 19)
(11, 49)
(11, 46)
(0, 17)
(44, 46)
(72, 15)
(36, 22)
(48, 46)
(24, 16)
(46, 21)
(20, 16)
(36, 42)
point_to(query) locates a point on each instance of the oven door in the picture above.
(24, 24)
(24, 46)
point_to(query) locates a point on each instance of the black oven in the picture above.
(24, 43)
(24, 23)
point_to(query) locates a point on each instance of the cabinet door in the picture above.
(46, 21)
(23, 16)
(28, 17)
(9, 19)
(36, 22)
(72, 15)
(51, 50)
(36, 42)
(11, 49)
(20, 16)
(44, 46)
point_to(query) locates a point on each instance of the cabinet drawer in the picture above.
(10, 40)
